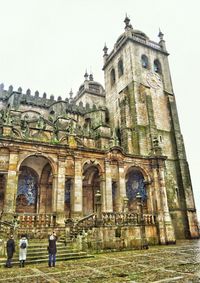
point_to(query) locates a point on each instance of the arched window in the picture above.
(157, 66)
(135, 184)
(145, 61)
(120, 68)
(112, 77)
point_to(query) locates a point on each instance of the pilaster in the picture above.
(60, 200)
(121, 187)
(166, 231)
(108, 188)
(11, 184)
(77, 205)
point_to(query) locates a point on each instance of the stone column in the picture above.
(77, 204)
(121, 187)
(103, 192)
(166, 231)
(11, 185)
(60, 193)
(108, 206)
(159, 211)
(54, 192)
(169, 230)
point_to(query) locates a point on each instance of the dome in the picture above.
(140, 33)
(121, 37)
(91, 86)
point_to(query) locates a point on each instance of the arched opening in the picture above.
(112, 77)
(120, 68)
(145, 61)
(91, 184)
(35, 186)
(157, 66)
(135, 184)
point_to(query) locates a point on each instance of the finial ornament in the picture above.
(105, 50)
(160, 34)
(127, 22)
(86, 75)
(91, 77)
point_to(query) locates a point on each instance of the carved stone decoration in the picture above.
(115, 154)
(41, 124)
(25, 126)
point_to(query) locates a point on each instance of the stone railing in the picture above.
(88, 220)
(119, 218)
(31, 220)
(149, 219)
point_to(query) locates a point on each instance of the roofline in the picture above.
(151, 45)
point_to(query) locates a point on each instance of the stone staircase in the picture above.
(37, 253)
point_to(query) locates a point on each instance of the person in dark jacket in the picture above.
(10, 247)
(52, 249)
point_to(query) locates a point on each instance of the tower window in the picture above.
(120, 68)
(112, 77)
(145, 61)
(157, 66)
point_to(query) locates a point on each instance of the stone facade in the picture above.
(122, 145)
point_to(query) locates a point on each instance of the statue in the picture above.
(25, 125)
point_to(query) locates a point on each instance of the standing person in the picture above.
(10, 247)
(23, 244)
(52, 249)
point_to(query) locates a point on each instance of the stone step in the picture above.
(46, 251)
(42, 256)
(42, 260)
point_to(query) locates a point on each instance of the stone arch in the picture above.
(35, 185)
(92, 162)
(91, 184)
(136, 183)
(38, 154)
(144, 172)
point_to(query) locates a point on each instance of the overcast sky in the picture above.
(47, 45)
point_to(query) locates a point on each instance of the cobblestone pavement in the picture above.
(175, 263)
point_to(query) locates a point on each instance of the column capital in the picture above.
(62, 158)
(107, 160)
(121, 163)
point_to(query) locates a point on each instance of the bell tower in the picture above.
(142, 109)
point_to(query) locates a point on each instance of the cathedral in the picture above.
(110, 159)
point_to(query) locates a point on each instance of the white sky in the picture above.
(46, 45)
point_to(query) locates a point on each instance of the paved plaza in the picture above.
(174, 263)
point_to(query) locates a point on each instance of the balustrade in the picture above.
(119, 218)
(35, 220)
(149, 219)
